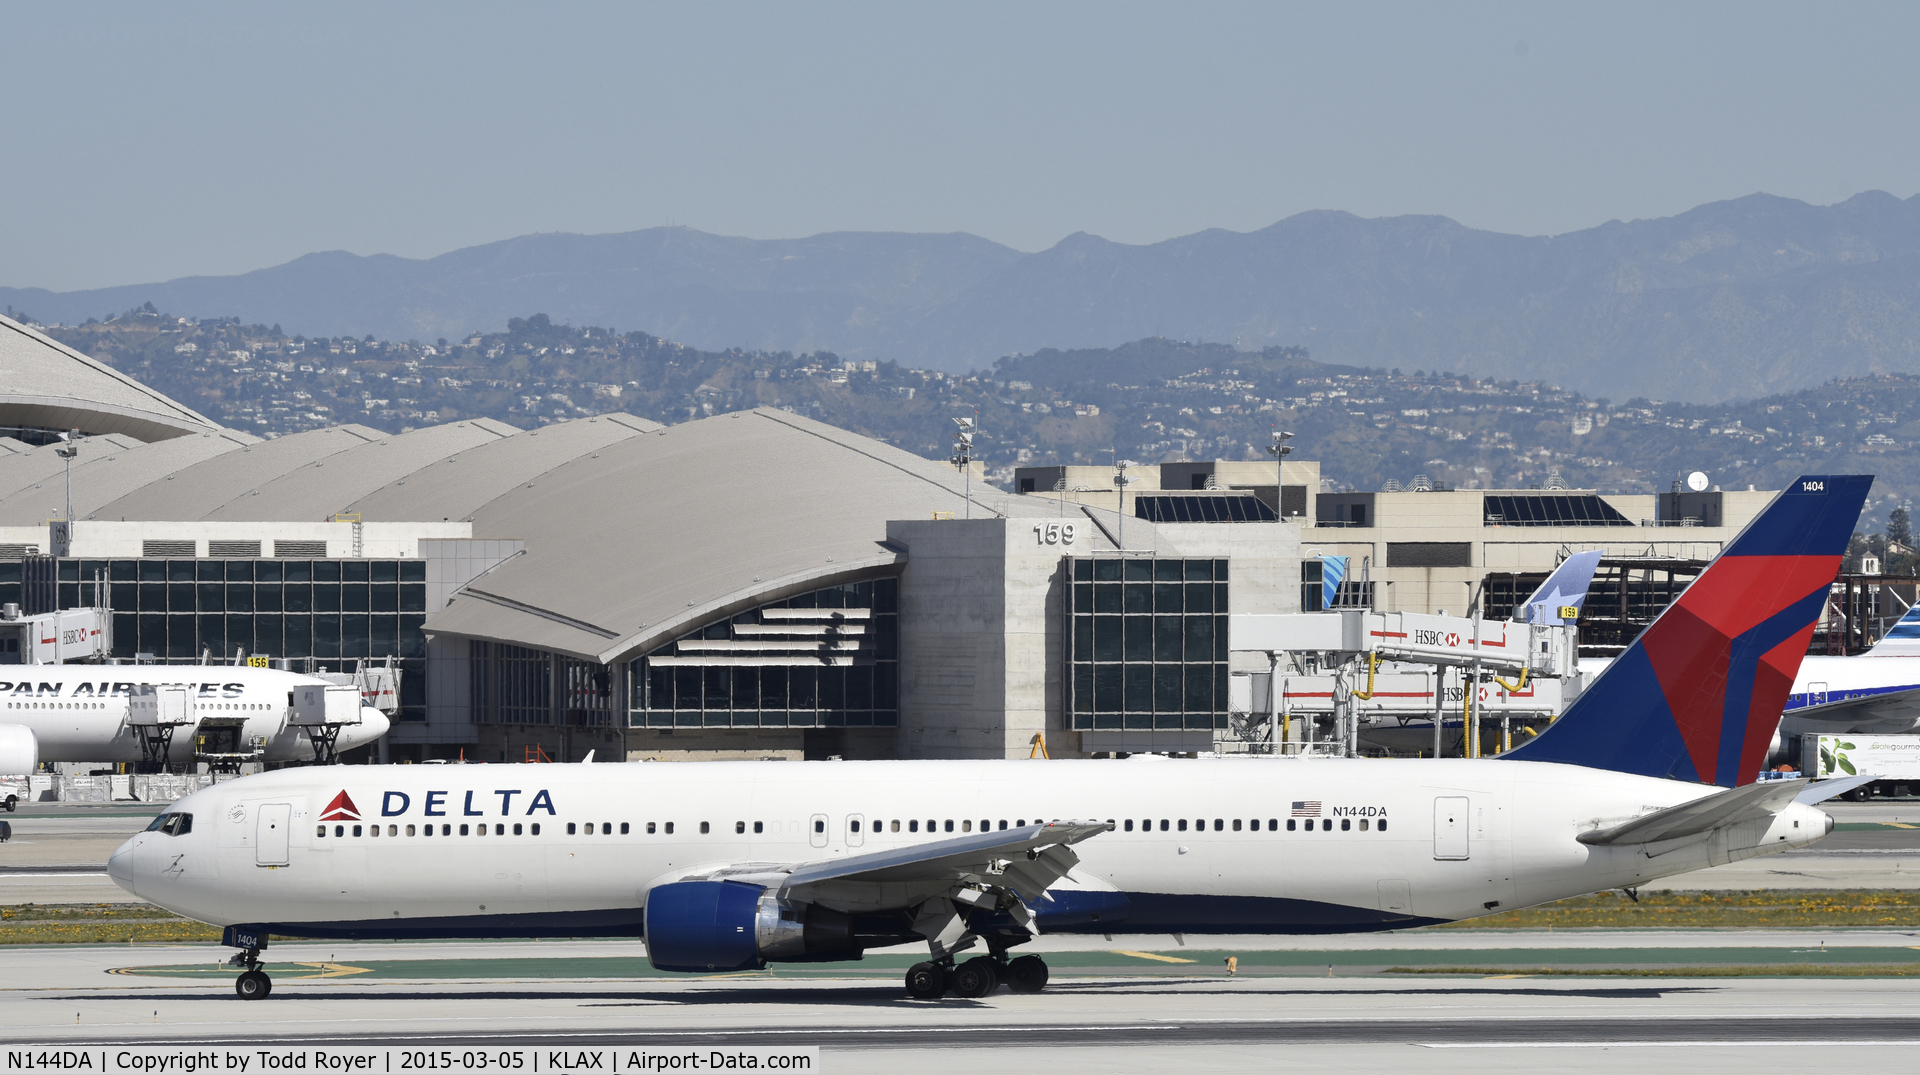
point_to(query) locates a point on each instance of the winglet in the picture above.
(1698, 695)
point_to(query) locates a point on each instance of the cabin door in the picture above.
(1450, 827)
(271, 833)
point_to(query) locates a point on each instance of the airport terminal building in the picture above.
(752, 584)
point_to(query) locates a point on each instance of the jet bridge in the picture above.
(71, 634)
(1369, 674)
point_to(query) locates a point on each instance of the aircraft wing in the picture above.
(1016, 850)
(1864, 705)
(1029, 859)
(936, 881)
(1754, 801)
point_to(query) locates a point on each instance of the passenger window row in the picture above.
(342, 831)
(933, 825)
(1253, 824)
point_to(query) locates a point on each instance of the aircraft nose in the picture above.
(120, 866)
(373, 725)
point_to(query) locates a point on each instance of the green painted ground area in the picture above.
(1189, 962)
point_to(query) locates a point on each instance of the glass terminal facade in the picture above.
(1149, 644)
(515, 685)
(825, 659)
(330, 610)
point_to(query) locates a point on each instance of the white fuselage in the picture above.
(1391, 842)
(79, 712)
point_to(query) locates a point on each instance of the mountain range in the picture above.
(1733, 299)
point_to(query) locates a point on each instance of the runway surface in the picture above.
(1163, 1017)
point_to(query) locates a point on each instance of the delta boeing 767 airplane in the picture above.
(727, 866)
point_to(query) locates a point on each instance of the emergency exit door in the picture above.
(270, 835)
(1450, 827)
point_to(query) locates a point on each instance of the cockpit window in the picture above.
(172, 824)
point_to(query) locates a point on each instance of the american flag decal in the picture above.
(1310, 808)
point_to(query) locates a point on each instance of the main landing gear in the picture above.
(253, 983)
(977, 977)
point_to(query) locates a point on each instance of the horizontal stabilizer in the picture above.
(1701, 815)
(1903, 640)
(1821, 790)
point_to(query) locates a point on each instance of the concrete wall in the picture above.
(980, 636)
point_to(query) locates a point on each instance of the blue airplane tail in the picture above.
(1698, 695)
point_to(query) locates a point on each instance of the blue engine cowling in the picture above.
(732, 925)
(703, 926)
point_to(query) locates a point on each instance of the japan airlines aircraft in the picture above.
(728, 866)
(85, 712)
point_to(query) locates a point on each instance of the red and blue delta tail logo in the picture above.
(1698, 695)
(341, 809)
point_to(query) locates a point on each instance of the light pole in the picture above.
(963, 454)
(1279, 449)
(69, 447)
(1120, 482)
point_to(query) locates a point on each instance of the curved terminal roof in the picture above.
(47, 385)
(100, 478)
(331, 484)
(671, 529)
(191, 492)
(32, 465)
(458, 485)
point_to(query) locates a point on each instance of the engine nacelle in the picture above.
(19, 750)
(729, 925)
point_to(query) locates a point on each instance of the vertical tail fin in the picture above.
(1559, 599)
(1698, 695)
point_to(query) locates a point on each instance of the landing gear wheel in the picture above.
(253, 985)
(1028, 974)
(976, 977)
(926, 981)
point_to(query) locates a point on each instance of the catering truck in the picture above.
(1893, 760)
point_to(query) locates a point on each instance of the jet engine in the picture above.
(731, 925)
(19, 750)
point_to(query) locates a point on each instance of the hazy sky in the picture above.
(148, 141)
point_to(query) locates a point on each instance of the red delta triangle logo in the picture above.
(341, 809)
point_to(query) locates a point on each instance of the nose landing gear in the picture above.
(253, 983)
